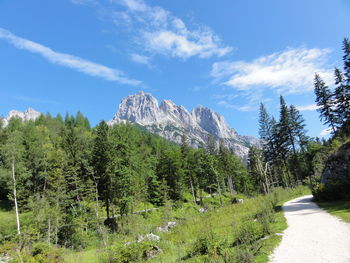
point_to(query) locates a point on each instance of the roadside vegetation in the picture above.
(340, 209)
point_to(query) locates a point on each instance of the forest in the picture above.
(75, 187)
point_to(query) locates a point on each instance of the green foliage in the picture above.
(127, 253)
(72, 179)
(332, 191)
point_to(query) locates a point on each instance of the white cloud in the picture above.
(140, 59)
(244, 108)
(290, 71)
(325, 132)
(163, 33)
(70, 61)
(310, 107)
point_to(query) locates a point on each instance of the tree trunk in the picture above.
(219, 188)
(193, 194)
(230, 184)
(107, 207)
(15, 197)
(49, 232)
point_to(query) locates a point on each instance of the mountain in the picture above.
(29, 114)
(171, 122)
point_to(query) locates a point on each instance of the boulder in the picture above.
(167, 227)
(153, 252)
(149, 237)
(337, 167)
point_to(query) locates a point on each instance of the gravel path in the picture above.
(312, 236)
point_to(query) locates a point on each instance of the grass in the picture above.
(216, 230)
(8, 221)
(340, 209)
(86, 256)
(222, 223)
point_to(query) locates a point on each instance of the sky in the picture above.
(62, 56)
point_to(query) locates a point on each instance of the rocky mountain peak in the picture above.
(172, 122)
(141, 108)
(213, 122)
(29, 114)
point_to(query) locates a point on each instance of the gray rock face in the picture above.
(172, 122)
(29, 114)
(338, 165)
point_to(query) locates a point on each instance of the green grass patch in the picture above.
(86, 256)
(340, 209)
(233, 233)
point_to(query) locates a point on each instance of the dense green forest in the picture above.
(71, 186)
(62, 172)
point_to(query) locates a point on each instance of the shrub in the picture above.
(248, 233)
(333, 190)
(266, 215)
(132, 252)
(207, 244)
(244, 256)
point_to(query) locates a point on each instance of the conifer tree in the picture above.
(266, 129)
(297, 127)
(284, 139)
(101, 162)
(326, 103)
(346, 61)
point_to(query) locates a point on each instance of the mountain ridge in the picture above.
(172, 121)
(28, 114)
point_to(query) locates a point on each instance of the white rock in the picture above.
(171, 122)
(149, 237)
(167, 227)
(29, 114)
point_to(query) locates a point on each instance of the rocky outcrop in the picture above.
(29, 114)
(171, 122)
(338, 166)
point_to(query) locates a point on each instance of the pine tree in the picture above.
(297, 127)
(326, 103)
(266, 128)
(342, 97)
(101, 162)
(186, 166)
(346, 61)
(284, 139)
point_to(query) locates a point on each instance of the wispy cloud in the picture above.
(160, 32)
(70, 61)
(140, 59)
(229, 105)
(310, 107)
(325, 132)
(242, 101)
(290, 71)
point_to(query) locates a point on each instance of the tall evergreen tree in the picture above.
(346, 61)
(297, 127)
(284, 139)
(342, 97)
(266, 129)
(326, 103)
(101, 162)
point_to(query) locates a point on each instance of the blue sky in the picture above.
(69, 55)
